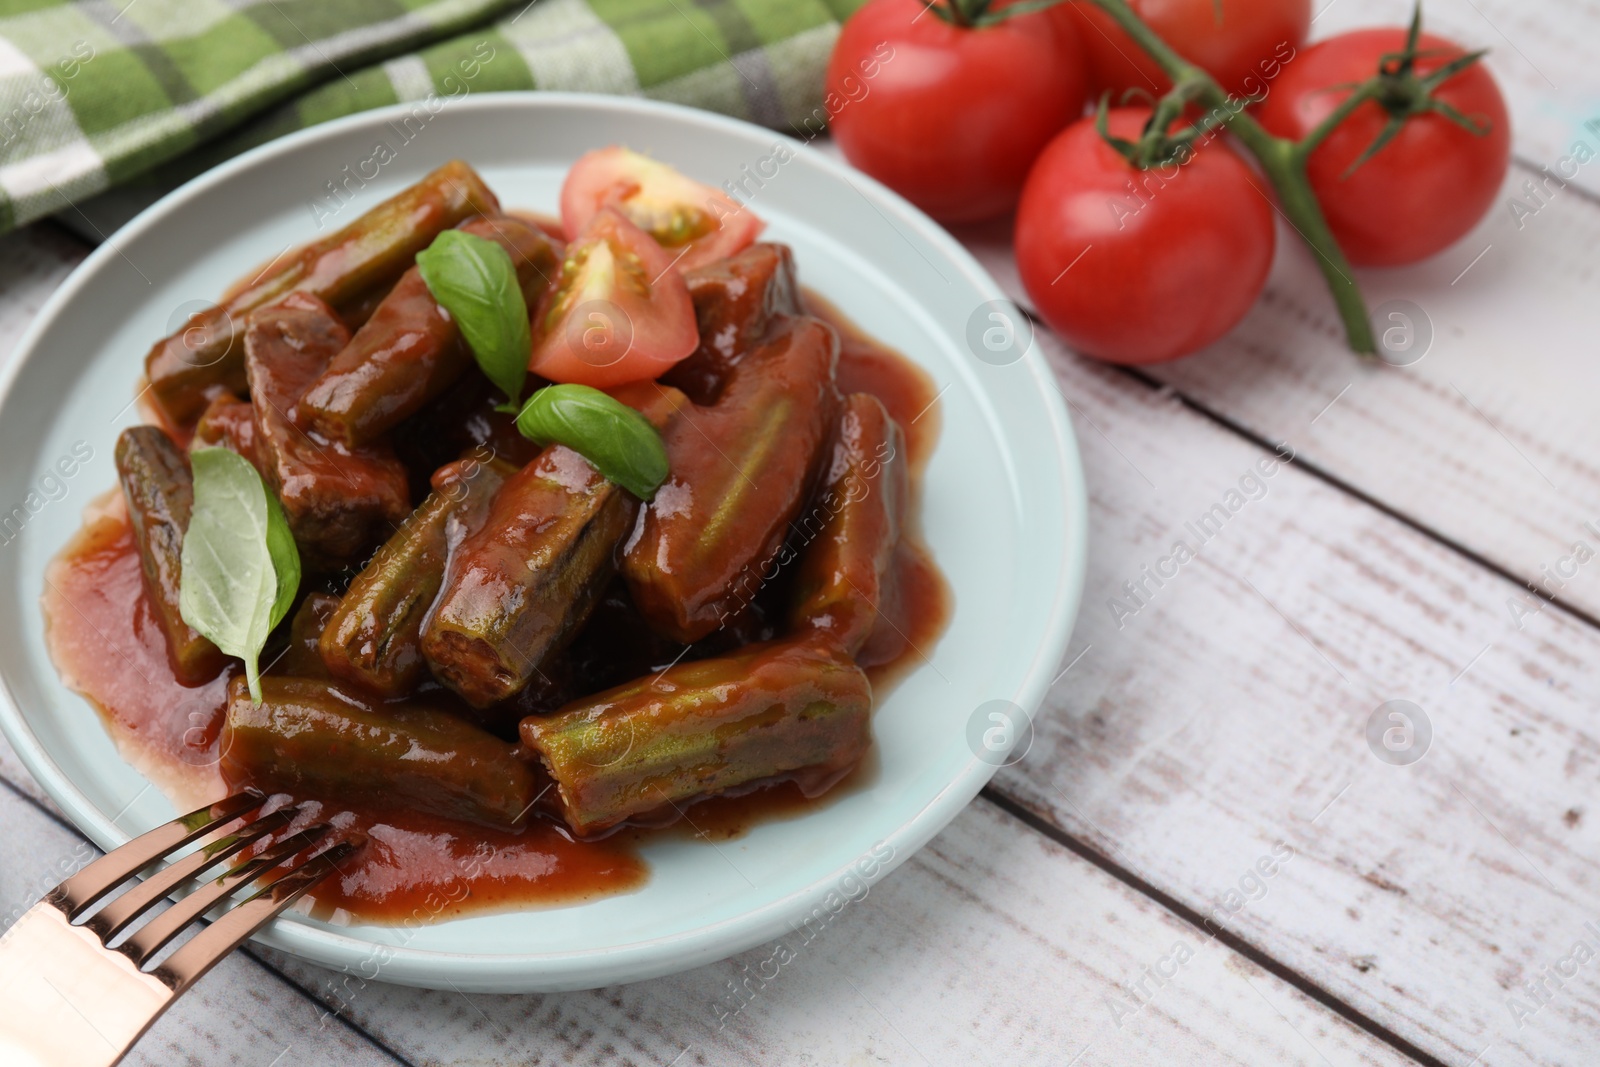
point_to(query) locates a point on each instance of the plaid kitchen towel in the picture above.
(96, 93)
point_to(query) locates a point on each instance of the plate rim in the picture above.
(667, 953)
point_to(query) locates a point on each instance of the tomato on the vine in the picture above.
(1425, 188)
(951, 116)
(1243, 44)
(1138, 266)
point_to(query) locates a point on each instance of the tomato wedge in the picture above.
(619, 313)
(696, 223)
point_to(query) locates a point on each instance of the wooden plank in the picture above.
(1489, 439)
(242, 1013)
(992, 945)
(1223, 708)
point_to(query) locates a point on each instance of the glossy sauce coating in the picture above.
(736, 301)
(849, 532)
(231, 423)
(108, 645)
(741, 470)
(516, 590)
(158, 489)
(312, 738)
(340, 501)
(421, 868)
(799, 706)
(411, 350)
(374, 637)
(205, 357)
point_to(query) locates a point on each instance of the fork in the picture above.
(70, 999)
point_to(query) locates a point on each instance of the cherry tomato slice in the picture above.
(620, 313)
(694, 222)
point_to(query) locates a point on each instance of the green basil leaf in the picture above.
(618, 440)
(475, 281)
(285, 559)
(241, 568)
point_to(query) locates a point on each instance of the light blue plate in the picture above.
(1003, 511)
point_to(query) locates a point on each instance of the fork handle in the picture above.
(70, 1002)
(67, 1001)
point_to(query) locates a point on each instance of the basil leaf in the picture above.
(618, 440)
(285, 559)
(241, 568)
(475, 281)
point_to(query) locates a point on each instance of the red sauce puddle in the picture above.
(419, 868)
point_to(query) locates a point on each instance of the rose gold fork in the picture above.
(67, 999)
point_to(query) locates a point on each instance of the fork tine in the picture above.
(146, 941)
(111, 870)
(185, 966)
(116, 915)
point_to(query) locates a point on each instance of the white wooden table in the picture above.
(1108, 900)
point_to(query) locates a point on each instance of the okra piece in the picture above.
(520, 585)
(798, 709)
(206, 356)
(374, 639)
(301, 659)
(411, 350)
(159, 489)
(340, 501)
(846, 538)
(311, 740)
(518, 588)
(740, 473)
(736, 302)
(230, 423)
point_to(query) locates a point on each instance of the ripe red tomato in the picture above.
(1139, 266)
(620, 313)
(1423, 190)
(951, 117)
(694, 222)
(1241, 43)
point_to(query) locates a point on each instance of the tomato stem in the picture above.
(1365, 91)
(1398, 89)
(965, 14)
(976, 14)
(994, 16)
(1281, 160)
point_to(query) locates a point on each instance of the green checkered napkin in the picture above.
(97, 93)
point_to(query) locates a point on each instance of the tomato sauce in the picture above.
(107, 644)
(918, 601)
(419, 868)
(865, 366)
